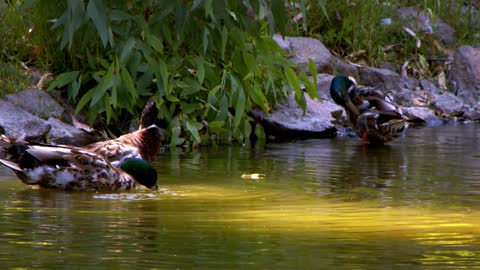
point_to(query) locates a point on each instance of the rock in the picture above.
(344, 68)
(287, 121)
(62, 133)
(404, 97)
(385, 79)
(419, 114)
(419, 21)
(387, 65)
(374, 76)
(302, 49)
(20, 124)
(429, 87)
(36, 102)
(448, 104)
(472, 115)
(323, 85)
(464, 75)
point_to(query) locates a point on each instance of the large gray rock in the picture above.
(301, 49)
(20, 124)
(419, 114)
(449, 105)
(36, 102)
(323, 85)
(287, 120)
(464, 75)
(386, 79)
(429, 87)
(344, 68)
(62, 133)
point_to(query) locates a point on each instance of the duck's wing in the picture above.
(144, 143)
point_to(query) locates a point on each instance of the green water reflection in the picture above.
(323, 204)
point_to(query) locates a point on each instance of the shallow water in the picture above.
(323, 204)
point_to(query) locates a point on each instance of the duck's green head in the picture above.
(142, 171)
(339, 92)
(339, 89)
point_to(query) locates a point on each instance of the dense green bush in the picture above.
(207, 63)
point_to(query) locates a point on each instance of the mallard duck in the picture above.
(372, 116)
(72, 168)
(144, 143)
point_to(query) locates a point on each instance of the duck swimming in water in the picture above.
(72, 168)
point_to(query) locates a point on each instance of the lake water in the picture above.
(322, 204)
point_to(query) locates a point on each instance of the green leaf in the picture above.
(108, 108)
(119, 15)
(200, 68)
(172, 98)
(196, 3)
(63, 79)
(163, 71)
(309, 86)
(256, 94)
(259, 132)
(84, 100)
(206, 33)
(96, 12)
(240, 103)
(216, 125)
(114, 98)
(212, 99)
(127, 50)
(128, 82)
(74, 87)
(321, 3)
(188, 108)
(193, 130)
(102, 88)
(303, 8)
(155, 43)
(294, 83)
(312, 68)
(279, 12)
(224, 36)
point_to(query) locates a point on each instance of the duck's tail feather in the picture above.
(10, 164)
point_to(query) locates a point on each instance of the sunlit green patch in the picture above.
(31, 243)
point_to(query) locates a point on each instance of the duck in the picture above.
(144, 143)
(76, 169)
(373, 117)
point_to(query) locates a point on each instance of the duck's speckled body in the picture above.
(72, 168)
(372, 116)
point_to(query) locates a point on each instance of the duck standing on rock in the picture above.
(72, 168)
(372, 116)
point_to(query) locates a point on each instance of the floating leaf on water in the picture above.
(253, 176)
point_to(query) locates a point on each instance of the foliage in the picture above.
(207, 63)
(361, 32)
(13, 78)
(14, 49)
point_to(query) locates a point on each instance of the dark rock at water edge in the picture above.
(287, 120)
